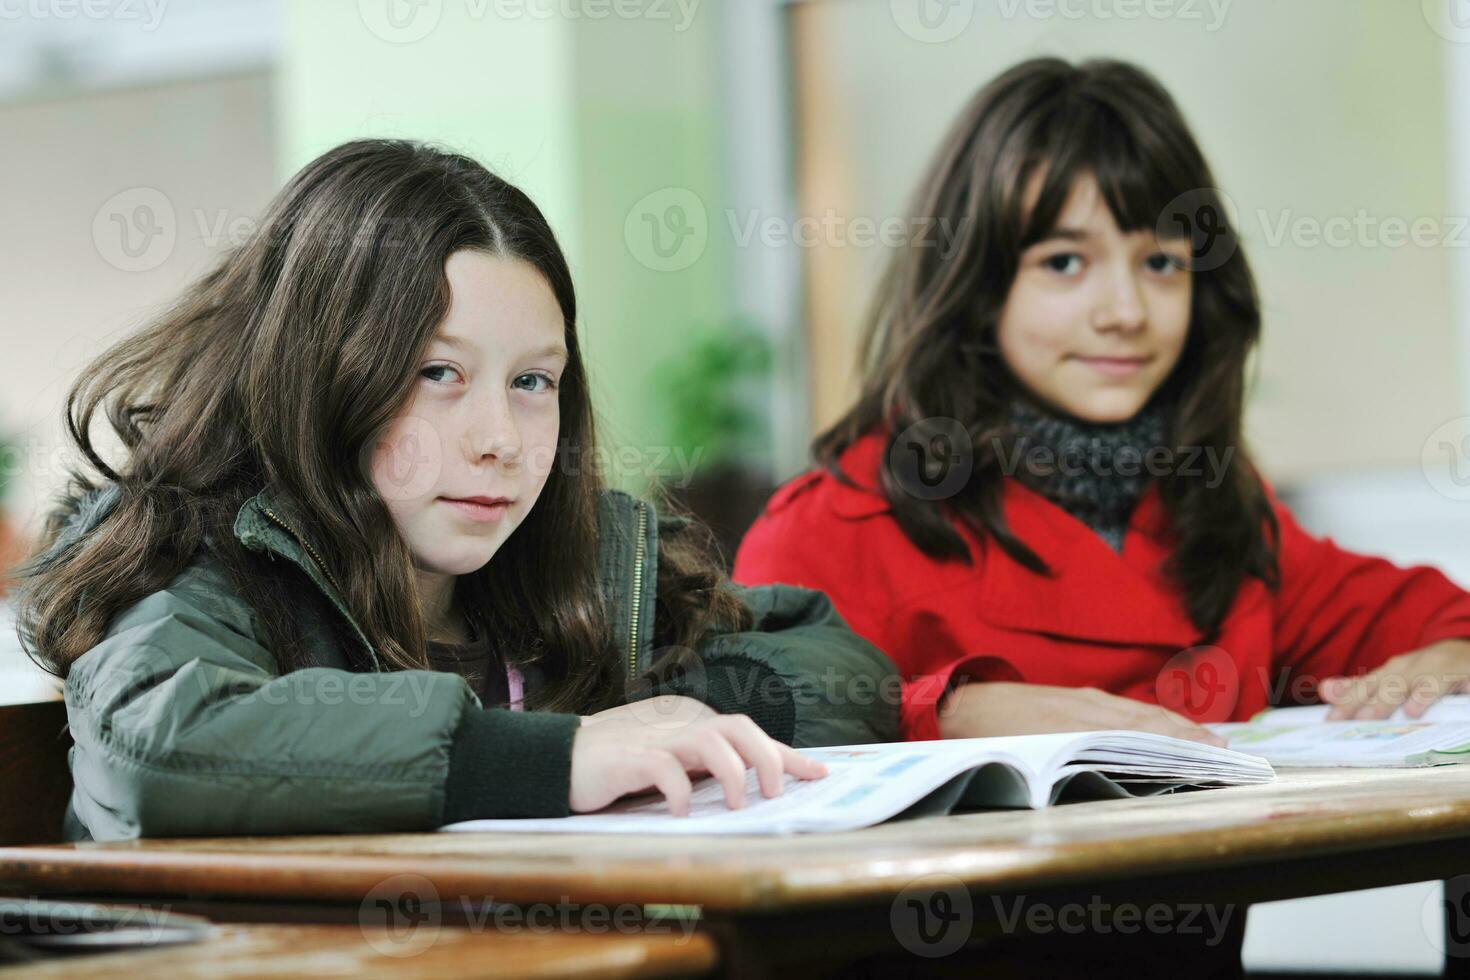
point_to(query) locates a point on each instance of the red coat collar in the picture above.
(1130, 600)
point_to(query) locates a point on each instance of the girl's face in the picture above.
(482, 420)
(1096, 319)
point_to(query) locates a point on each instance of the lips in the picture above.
(1114, 358)
(483, 501)
(1114, 366)
(481, 510)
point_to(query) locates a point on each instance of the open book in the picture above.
(1302, 736)
(868, 784)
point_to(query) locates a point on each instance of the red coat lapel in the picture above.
(1093, 594)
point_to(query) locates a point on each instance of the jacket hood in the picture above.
(89, 510)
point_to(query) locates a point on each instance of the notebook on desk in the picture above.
(869, 784)
(1302, 736)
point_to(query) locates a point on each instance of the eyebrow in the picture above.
(549, 350)
(1065, 234)
(1082, 235)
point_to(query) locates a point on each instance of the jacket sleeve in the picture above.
(799, 672)
(778, 548)
(183, 726)
(1340, 613)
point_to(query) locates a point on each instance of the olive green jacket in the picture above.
(184, 724)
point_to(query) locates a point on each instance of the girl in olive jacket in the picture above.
(357, 574)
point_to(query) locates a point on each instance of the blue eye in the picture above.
(546, 379)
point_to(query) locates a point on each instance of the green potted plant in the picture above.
(12, 546)
(715, 392)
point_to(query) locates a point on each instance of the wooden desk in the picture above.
(783, 899)
(243, 951)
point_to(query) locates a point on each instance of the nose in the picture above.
(1120, 308)
(494, 432)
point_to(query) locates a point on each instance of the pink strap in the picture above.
(517, 687)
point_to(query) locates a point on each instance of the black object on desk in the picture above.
(33, 928)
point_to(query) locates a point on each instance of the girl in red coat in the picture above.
(1040, 505)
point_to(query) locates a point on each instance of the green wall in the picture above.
(590, 117)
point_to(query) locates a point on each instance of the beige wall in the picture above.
(1312, 109)
(201, 155)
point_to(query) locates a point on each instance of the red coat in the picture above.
(1105, 620)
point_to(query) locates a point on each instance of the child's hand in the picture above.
(978, 710)
(1415, 680)
(666, 711)
(616, 752)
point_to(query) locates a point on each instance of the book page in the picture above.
(865, 784)
(868, 784)
(1451, 708)
(1351, 743)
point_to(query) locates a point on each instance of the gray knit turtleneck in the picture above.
(1095, 472)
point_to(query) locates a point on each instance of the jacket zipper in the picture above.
(639, 556)
(309, 550)
(377, 664)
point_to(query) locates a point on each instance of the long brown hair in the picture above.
(281, 367)
(930, 349)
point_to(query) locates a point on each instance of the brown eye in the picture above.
(1065, 263)
(1164, 262)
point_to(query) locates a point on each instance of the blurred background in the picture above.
(727, 177)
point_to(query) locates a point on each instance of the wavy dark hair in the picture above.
(930, 350)
(281, 367)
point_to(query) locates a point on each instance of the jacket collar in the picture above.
(861, 462)
(271, 522)
(627, 541)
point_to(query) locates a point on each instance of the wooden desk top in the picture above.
(241, 951)
(1306, 813)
